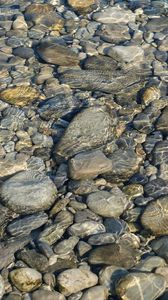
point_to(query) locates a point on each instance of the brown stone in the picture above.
(82, 6)
(20, 95)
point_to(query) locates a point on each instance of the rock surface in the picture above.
(20, 95)
(26, 279)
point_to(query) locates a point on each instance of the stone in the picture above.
(34, 259)
(163, 172)
(91, 128)
(23, 226)
(23, 52)
(11, 166)
(150, 94)
(86, 228)
(100, 62)
(2, 287)
(150, 263)
(116, 254)
(36, 192)
(125, 163)
(20, 24)
(20, 95)
(97, 292)
(156, 188)
(99, 80)
(115, 226)
(58, 106)
(86, 215)
(75, 280)
(122, 53)
(160, 247)
(8, 249)
(156, 210)
(114, 33)
(109, 276)
(49, 295)
(102, 239)
(164, 272)
(57, 54)
(107, 204)
(26, 279)
(156, 26)
(160, 153)
(66, 246)
(141, 285)
(161, 123)
(88, 165)
(114, 15)
(82, 7)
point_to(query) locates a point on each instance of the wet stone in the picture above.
(44, 294)
(107, 204)
(109, 276)
(82, 7)
(156, 210)
(88, 165)
(114, 226)
(113, 33)
(122, 53)
(97, 292)
(160, 247)
(57, 54)
(148, 286)
(24, 226)
(26, 279)
(150, 263)
(162, 121)
(109, 255)
(114, 15)
(86, 228)
(100, 62)
(150, 94)
(160, 153)
(155, 26)
(36, 192)
(34, 259)
(102, 239)
(2, 287)
(75, 280)
(156, 188)
(23, 52)
(91, 128)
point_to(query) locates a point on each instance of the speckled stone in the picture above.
(114, 15)
(75, 280)
(36, 192)
(82, 6)
(26, 279)
(47, 295)
(97, 292)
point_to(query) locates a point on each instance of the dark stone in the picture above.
(23, 52)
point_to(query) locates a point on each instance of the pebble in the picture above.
(57, 54)
(20, 24)
(88, 165)
(82, 7)
(107, 204)
(114, 15)
(75, 280)
(148, 286)
(156, 210)
(36, 192)
(34, 259)
(89, 129)
(86, 228)
(150, 94)
(20, 95)
(23, 52)
(122, 53)
(2, 287)
(44, 294)
(26, 279)
(97, 292)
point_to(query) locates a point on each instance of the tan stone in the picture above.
(26, 279)
(20, 95)
(9, 167)
(81, 5)
(150, 94)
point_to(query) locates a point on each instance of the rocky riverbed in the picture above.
(83, 150)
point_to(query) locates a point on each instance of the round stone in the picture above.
(26, 279)
(82, 6)
(23, 52)
(97, 292)
(28, 192)
(155, 216)
(141, 286)
(47, 295)
(150, 94)
(107, 204)
(75, 280)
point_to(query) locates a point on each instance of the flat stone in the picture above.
(44, 294)
(36, 192)
(89, 129)
(162, 123)
(20, 95)
(86, 228)
(115, 254)
(20, 24)
(75, 280)
(26, 279)
(57, 54)
(156, 25)
(160, 153)
(114, 33)
(164, 272)
(66, 246)
(114, 15)
(156, 210)
(8, 249)
(122, 53)
(107, 204)
(150, 263)
(99, 80)
(125, 163)
(89, 165)
(144, 286)
(23, 52)
(34, 259)
(156, 188)
(97, 292)
(2, 287)
(109, 276)
(24, 226)
(11, 166)
(102, 239)
(150, 94)
(82, 6)
(100, 62)
(160, 247)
